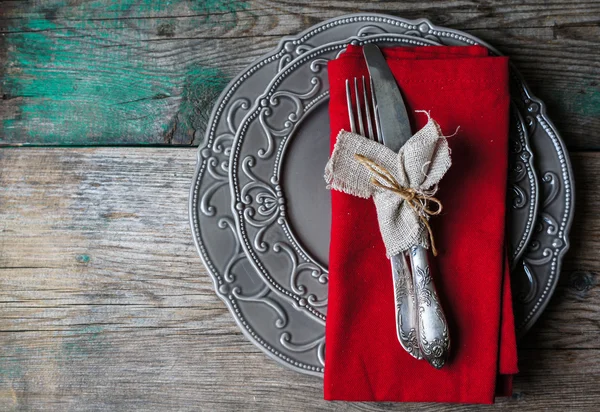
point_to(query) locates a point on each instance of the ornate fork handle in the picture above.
(434, 340)
(406, 306)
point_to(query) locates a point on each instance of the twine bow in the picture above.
(401, 184)
(419, 202)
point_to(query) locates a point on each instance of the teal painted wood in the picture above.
(88, 74)
(81, 72)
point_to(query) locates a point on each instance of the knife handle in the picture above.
(406, 306)
(434, 340)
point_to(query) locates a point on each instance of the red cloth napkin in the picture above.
(459, 86)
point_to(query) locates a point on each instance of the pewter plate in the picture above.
(267, 319)
(282, 208)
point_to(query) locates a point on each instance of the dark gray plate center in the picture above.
(308, 202)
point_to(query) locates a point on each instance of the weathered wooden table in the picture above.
(104, 302)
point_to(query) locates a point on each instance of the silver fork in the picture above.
(404, 291)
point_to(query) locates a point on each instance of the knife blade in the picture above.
(418, 309)
(393, 118)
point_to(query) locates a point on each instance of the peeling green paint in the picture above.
(81, 342)
(201, 88)
(82, 258)
(587, 102)
(578, 100)
(11, 367)
(155, 6)
(218, 6)
(76, 80)
(59, 104)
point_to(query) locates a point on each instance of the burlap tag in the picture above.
(420, 164)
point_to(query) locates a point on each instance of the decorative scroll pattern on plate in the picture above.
(523, 188)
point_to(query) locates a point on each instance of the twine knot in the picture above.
(402, 184)
(418, 201)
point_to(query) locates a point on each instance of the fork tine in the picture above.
(350, 111)
(361, 128)
(375, 113)
(368, 110)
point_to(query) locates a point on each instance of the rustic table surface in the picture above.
(105, 304)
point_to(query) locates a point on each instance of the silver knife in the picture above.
(419, 314)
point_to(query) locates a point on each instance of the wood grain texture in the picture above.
(143, 71)
(105, 305)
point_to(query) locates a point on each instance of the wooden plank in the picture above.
(104, 72)
(105, 305)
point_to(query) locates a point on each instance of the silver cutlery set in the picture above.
(421, 325)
